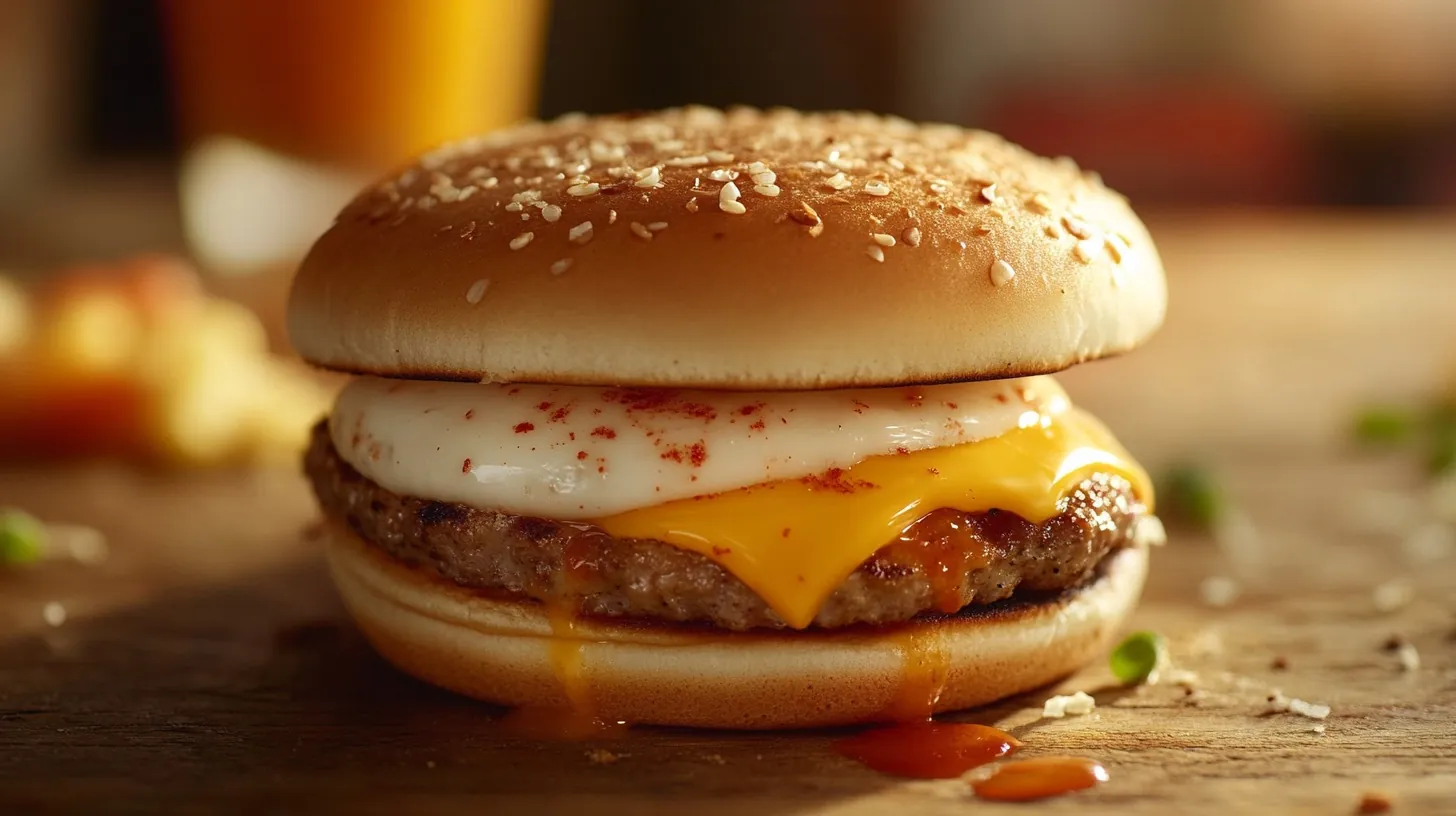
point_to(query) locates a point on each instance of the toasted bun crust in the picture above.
(463, 265)
(502, 651)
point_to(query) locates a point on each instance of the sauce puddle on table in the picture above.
(1039, 778)
(928, 750)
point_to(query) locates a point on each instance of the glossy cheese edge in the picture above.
(794, 541)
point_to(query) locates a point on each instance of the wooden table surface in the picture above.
(207, 665)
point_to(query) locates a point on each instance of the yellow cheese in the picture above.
(794, 541)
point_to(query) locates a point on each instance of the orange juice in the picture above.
(354, 83)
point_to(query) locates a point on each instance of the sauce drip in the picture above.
(946, 546)
(924, 670)
(928, 750)
(578, 720)
(1039, 778)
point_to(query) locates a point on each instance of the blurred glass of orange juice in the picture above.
(288, 105)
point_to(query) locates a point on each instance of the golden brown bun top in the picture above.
(861, 250)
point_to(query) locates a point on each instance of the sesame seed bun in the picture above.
(505, 651)
(858, 251)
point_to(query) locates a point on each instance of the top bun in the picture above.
(861, 251)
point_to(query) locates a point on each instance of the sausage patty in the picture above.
(947, 560)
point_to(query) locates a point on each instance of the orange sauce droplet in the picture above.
(924, 670)
(928, 750)
(578, 720)
(1039, 778)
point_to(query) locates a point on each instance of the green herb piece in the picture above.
(1137, 657)
(1194, 494)
(22, 537)
(1385, 425)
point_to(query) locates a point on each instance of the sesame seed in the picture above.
(838, 182)
(1052, 231)
(808, 217)
(514, 206)
(875, 252)
(657, 226)
(468, 231)
(581, 233)
(692, 205)
(611, 217)
(770, 190)
(525, 216)
(911, 236)
(583, 189)
(489, 183)
(641, 231)
(877, 188)
(520, 241)
(719, 156)
(938, 187)
(1001, 273)
(1084, 251)
(650, 177)
(687, 161)
(477, 291)
(882, 239)
(1115, 247)
(988, 194)
(466, 192)
(54, 614)
(1039, 203)
(561, 266)
(1077, 227)
(720, 174)
(895, 163)
(551, 213)
(729, 192)
(732, 207)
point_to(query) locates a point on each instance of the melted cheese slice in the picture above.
(794, 541)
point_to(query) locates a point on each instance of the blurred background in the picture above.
(216, 138)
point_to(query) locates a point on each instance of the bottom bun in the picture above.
(507, 651)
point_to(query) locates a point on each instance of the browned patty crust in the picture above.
(947, 560)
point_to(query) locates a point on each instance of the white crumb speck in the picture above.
(1410, 659)
(1219, 591)
(1314, 711)
(54, 614)
(1392, 595)
(1063, 704)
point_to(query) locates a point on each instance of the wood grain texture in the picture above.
(207, 665)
